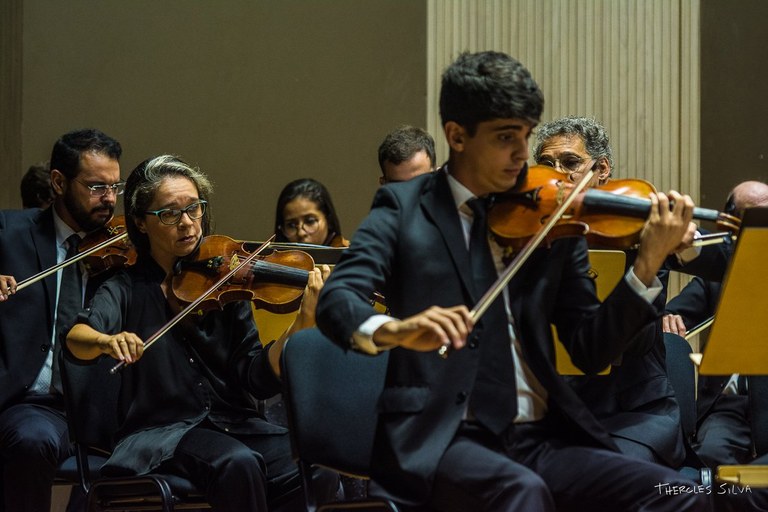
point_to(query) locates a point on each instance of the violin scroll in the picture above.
(117, 250)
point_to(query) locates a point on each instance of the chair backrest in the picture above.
(91, 395)
(331, 398)
(682, 377)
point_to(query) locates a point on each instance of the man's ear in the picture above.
(603, 170)
(455, 135)
(58, 182)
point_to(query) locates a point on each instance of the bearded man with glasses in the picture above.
(85, 178)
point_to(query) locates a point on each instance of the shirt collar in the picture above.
(63, 231)
(461, 194)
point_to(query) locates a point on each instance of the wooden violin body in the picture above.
(274, 282)
(117, 254)
(609, 215)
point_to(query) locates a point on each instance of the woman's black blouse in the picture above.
(206, 367)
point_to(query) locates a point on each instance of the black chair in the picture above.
(330, 397)
(91, 394)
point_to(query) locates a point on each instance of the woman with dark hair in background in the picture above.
(305, 214)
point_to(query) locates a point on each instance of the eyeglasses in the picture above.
(102, 190)
(310, 225)
(569, 164)
(170, 216)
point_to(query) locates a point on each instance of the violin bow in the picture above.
(192, 305)
(74, 259)
(698, 328)
(713, 239)
(514, 266)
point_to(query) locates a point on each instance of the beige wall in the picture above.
(256, 93)
(260, 92)
(10, 100)
(734, 103)
(632, 64)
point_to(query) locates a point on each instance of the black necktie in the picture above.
(494, 397)
(70, 303)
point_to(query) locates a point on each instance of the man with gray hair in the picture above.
(634, 402)
(568, 144)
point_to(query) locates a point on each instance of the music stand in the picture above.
(740, 313)
(742, 309)
(607, 268)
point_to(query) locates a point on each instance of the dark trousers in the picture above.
(241, 472)
(33, 442)
(724, 435)
(534, 468)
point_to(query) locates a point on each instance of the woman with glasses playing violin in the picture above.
(305, 214)
(188, 404)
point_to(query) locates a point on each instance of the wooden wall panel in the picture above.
(632, 64)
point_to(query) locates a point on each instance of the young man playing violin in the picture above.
(491, 426)
(187, 404)
(85, 176)
(634, 402)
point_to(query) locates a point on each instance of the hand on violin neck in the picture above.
(663, 232)
(429, 330)
(306, 315)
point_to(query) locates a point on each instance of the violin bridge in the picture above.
(234, 262)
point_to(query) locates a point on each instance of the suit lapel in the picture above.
(43, 236)
(439, 206)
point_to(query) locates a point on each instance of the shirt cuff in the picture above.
(649, 293)
(362, 338)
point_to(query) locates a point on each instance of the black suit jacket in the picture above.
(696, 303)
(635, 400)
(710, 265)
(27, 247)
(411, 248)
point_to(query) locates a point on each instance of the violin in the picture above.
(118, 253)
(220, 271)
(274, 282)
(543, 206)
(610, 215)
(98, 245)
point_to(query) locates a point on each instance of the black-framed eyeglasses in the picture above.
(171, 216)
(310, 225)
(102, 189)
(568, 164)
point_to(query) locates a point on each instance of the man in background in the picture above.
(723, 430)
(634, 402)
(406, 153)
(36, 191)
